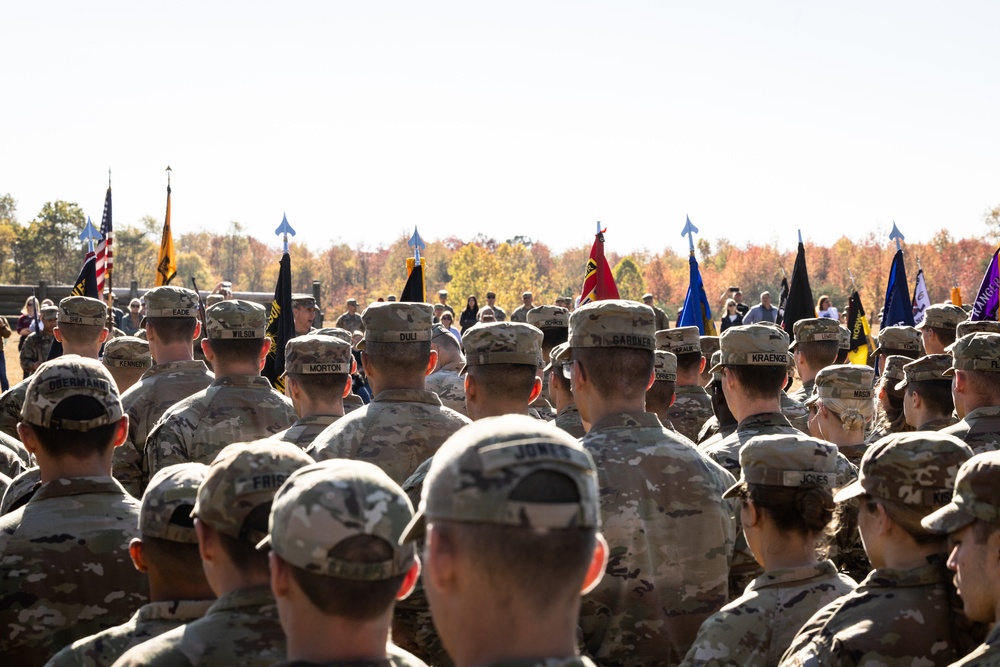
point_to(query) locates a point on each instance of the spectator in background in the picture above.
(762, 312)
(26, 319)
(132, 321)
(470, 315)
(732, 318)
(824, 308)
(5, 333)
(447, 321)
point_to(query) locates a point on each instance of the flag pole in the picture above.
(109, 265)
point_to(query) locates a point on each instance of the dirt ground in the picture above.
(14, 374)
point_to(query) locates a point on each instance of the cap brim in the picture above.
(716, 368)
(901, 385)
(734, 490)
(792, 345)
(877, 350)
(415, 530)
(813, 398)
(948, 372)
(948, 519)
(852, 490)
(264, 544)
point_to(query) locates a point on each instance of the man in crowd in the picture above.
(816, 344)
(927, 401)
(303, 313)
(350, 320)
(975, 389)
(938, 328)
(693, 406)
(662, 321)
(36, 346)
(126, 358)
(501, 360)
(762, 312)
(521, 314)
(498, 312)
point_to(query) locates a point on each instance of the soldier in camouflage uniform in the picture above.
(693, 406)
(491, 302)
(975, 390)
(901, 614)
(167, 550)
(238, 406)
(352, 401)
(171, 322)
(553, 321)
(303, 313)
(64, 566)
(938, 328)
(231, 515)
(815, 346)
(927, 401)
(567, 414)
(126, 358)
(318, 370)
(661, 500)
(509, 501)
(662, 321)
(404, 424)
(709, 346)
(445, 380)
(972, 522)
(79, 326)
(443, 301)
(660, 395)
(37, 345)
(500, 363)
(898, 340)
(338, 564)
(889, 416)
(795, 412)
(722, 423)
(520, 314)
(979, 326)
(844, 344)
(786, 491)
(351, 320)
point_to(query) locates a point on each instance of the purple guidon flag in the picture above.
(988, 299)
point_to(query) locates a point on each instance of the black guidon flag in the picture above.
(280, 325)
(413, 291)
(799, 305)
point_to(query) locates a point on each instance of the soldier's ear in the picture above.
(138, 554)
(536, 390)
(280, 575)
(348, 385)
(598, 563)
(58, 334)
(197, 330)
(431, 362)
(410, 580)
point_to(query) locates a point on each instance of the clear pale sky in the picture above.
(363, 119)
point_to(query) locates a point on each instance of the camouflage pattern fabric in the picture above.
(894, 617)
(803, 392)
(350, 322)
(240, 628)
(690, 411)
(15, 445)
(795, 412)
(671, 539)
(500, 313)
(980, 429)
(449, 386)
(661, 319)
(573, 661)
(20, 490)
(235, 408)
(144, 403)
(397, 431)
(569, 420)
(542, 409)
(10, 407)
(520, 314)
(986, 654)
(720, 435)
(709, 428)
(152, 620)
(11, 464)
(65, 571)
(756, 629)
(397, 658)
(36, 350)
(941, 424)
(305, 429)
(4, 482)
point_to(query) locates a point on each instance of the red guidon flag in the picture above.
(598, 284)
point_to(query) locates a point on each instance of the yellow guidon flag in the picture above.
(166, 264)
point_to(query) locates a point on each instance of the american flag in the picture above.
(105, 254)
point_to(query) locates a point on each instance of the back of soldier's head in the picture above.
(235, 330)
(397, 337)
(126, 358)
(817, 340)
(319, 365)
(166, 527)
(81, 319)
(172, 312)
(614, 340)
(503, 358)
(756, 357)
(661, 393)
(977, 355)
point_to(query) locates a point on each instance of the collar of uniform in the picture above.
(979, 413)
(258, 382)
(173, 610)
(937, 424)
(793, 575)
(570, 661)
(569, 410)
(853, 453)
(160, 369)
(407, 396)
(325, 420)
(75, 486)
(453, 367)
(243, 598)
(934, 572)
(764, 419)
(627, 420)
(691, 389)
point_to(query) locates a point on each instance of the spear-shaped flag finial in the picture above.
(168, 175)
(417, 244)
(89, 234)
(689, 230)
(800, 236)
(896, 235)
(284, 229)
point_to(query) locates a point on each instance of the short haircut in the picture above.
(60, 443)
(660, 394)
(519, 562)
(176, 561)
(505, 381)
(80, 334)
(984, 383)
(557, 377)
(945, 336)
(689, 362)
(936, 393)
(321, 386)
(236, 351)
(981, 530)
(447, 342)
(171, 330)
(759, 382)
(818, 353)
(357, 600)
(243, 552)
(617, 371)
(396, 358)
(552, 336)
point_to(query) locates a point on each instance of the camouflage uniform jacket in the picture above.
(755, 629)
(350, 322)
(662, 321)
(670, 536)
(938, 424)
(152, 620)
(727, 451)
(352, 402)
(573, 661)
(4, 482)
(980, 429)
(569, 420)
(234, 408)
(10, 407)
(985, 655)
(240, 628)
(894, 617)
(11, 464)
(500, 313)
(520, 314)
(721, 434)
(542, 409)
(145, 402)
(803, 392)
(449, 386)
(65, 570)
(795, 412)
(397, 658)
(691, 409)
(305, 429)
(397, 431)
(35, 350)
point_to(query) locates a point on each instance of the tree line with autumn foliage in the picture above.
(40, 250)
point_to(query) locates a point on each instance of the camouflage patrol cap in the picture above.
(502, 343)
(927, 368)
(680, 340)
(786, 460)
(664, 366)
(815, 329)
(613, 323)
(49, 312)
(844, 381)
(213, 299)
(127, 352)
(558, 357)
(438, 330)
(525, 295)
(895, 339)
(475, 472)
(647, 297)
(235, 318)
(352, 302)
(82, 310)
(307, 300)
(317, 355)
(942, 316)
(21, 488)
(979, 326)
(442, 292)
(171, 301)
(916, 468)
(397, 322)
(336, 332)
(845, 337)
(323, 504)
(172, 488)
(892, 369)
(544, 317)
(716, 367)
(709, 346)
(975, 352)
(753, 345)
(68, 376)
(241, 478)
(976, 496)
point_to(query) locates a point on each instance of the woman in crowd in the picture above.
(447, 321)
(732, 318)
(26, 319)
(824, 308)
(890, 417)
(132, 321)
(470, 315)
